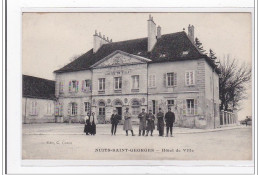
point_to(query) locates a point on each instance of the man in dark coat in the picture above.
(114, 121)
(160, 123)
(142, 122)
(150, 123)
(169, 120)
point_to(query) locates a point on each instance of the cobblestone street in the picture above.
(67, 141)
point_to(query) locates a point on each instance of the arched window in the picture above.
(135, 107)
(118, 103)
(101, 109)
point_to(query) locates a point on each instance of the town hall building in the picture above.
(158, 71)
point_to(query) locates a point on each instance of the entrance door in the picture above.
(119, 111)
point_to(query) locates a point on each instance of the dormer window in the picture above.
(162, 55)
(185, 53)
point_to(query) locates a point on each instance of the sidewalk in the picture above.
(103, 129)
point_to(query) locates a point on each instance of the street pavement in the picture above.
(102, 129)
(67, 141)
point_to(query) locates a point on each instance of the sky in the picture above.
(52, 40)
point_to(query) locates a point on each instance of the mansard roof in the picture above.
(34, 87)
(169, 47)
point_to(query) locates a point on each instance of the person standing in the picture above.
(150, 123)
(92, 121)
(114, 121)
(169, 120)
(87, 127)
(128, 122)
(160, 122)
(142, 122)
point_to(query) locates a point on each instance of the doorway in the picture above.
(119, 111)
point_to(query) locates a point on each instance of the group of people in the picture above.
(90, 124)
(146, 122)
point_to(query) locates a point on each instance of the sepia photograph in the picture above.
(137, 86)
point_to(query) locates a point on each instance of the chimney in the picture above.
(98, 41)
(159, 32)
(191, 33)
(151, 33)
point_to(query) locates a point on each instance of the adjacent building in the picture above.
(38, 100)
(158, 71)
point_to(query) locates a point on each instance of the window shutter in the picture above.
(36, 108)
(31, 109)
(153, 78)
(187, 80)
(81, 108)
(76, 109)
(82, 87)
(184, 107)
(77, 86)
(62, 86)
(56, 108)
(61, 108)
(193, 72)
(150, 81)
(70, 86)
(175, 79)
(69, 108)
(195, 106)
(164, 80)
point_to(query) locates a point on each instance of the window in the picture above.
(101, 84)
(73, 86)
(34, 108)
(185, 53)
(48, 108)
(190, 107)
(135, 80)
(135, 107)
(170, 102)
(74, 109)
(59, 109)
(118, 83)
(171, 79)
(87, 106)
(189, 78)
(151, 82)
(86, 85)
(61, 87)
(102, 109)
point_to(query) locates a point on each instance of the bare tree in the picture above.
(233, 82)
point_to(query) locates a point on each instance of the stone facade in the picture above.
(190, 95)
(37, 110)
(158, 71)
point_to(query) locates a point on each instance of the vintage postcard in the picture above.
(137, 86)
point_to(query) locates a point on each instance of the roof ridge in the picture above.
(38, 78)
(142, 38)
